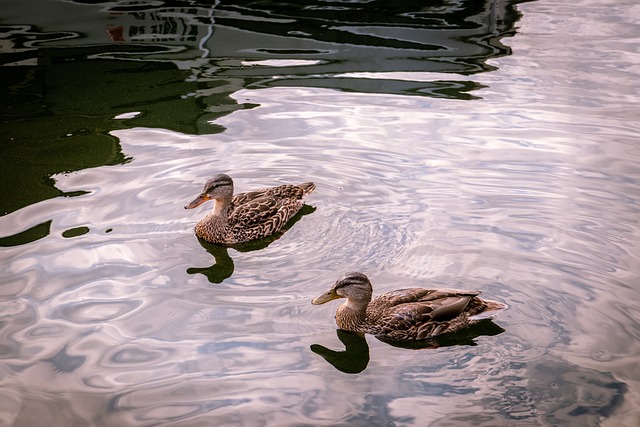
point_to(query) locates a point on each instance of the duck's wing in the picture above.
(419, 313)
(410, 295)
(264, 213)
(281, 192)
(242, 198)
(289, 191)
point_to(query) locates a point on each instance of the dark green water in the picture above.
(481, 145)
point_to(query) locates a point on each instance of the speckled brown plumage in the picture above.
(246, 216)
(405, 314)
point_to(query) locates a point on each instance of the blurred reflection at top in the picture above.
(73, 72)
(370, 46)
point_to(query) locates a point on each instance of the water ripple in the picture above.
(529, 194)
(90, 312)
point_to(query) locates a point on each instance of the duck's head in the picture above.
(354, 286)
(220, 187)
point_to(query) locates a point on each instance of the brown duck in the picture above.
(246, 216)
(405, 314)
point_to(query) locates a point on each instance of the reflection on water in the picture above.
(27, 236)
(443, 158)
(355, 357)
(177, 65)
(565, 392)
(221, 269)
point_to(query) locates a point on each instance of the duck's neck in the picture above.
(221, 208)
(351, 315)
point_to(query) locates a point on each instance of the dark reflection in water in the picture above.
(64, 363)
(355, 357)
(32, 234)
(68, 83)
(75, 232)
(566, 393)
(223, 267)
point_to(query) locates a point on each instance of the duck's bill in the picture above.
(326, 297)
(197, 201)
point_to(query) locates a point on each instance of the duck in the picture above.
(411, 314)
(249, 216)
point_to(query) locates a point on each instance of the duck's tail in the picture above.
(492, 308)
(307, 188)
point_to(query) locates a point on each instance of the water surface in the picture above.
(445, 154)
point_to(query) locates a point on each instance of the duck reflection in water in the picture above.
(223, 267)
(355, 357)
(410, 318)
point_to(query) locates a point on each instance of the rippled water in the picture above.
(521, 181)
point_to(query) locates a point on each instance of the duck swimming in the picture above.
(246, 216)
(405, 314)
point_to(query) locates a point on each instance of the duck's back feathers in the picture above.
(419, 313)
(262, 216)
(281, 192)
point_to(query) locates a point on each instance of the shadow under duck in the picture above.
(246, 216)
(405, 314)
